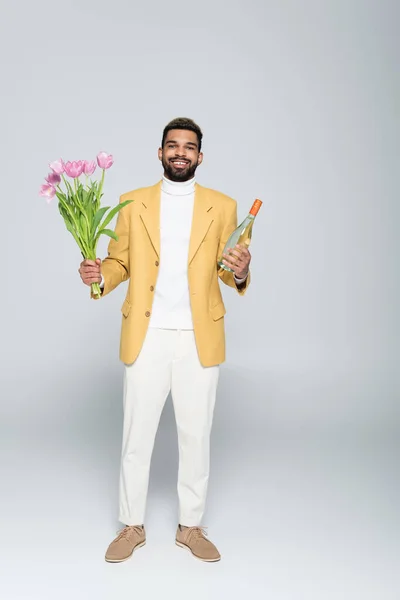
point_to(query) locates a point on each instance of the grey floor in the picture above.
(301, 509)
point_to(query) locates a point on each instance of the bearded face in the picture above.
(180, 155)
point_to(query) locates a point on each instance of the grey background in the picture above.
(299, 106)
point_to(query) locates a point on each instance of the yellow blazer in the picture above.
(136, 256)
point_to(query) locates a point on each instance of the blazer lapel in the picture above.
(150, 216)
(202, 219)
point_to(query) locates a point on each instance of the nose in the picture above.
(180, 152)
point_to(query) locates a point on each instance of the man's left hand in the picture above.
(238, 259)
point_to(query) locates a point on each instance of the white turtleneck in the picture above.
(171, 305)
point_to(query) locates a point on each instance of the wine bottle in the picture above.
(242, 233)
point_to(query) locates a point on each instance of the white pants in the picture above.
(167, 362)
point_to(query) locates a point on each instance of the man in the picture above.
(172, 335)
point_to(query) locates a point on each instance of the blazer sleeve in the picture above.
(226, 276)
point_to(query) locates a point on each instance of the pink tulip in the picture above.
(104, 160)
(53, 179)
(89, 167)
(47, 191)
(74, 169)
(57, 166)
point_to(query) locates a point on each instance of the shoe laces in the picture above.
(197, 532)
(128, 531)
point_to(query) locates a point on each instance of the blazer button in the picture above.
(147, 313)
(152, 288)
(157, 263)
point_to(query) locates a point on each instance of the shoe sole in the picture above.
(185, 547)
(118, 560)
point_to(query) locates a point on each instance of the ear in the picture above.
(160, 154)
(200, 158)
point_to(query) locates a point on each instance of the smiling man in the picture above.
(180, 164)
(172, 337)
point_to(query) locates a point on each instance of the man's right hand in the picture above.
(90, 271)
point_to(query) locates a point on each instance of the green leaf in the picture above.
(114, 211)
(90, 194)
(65, 215)
(76, 237)
(68, 209)
(108, 232)
(60, 195)
(70, 227)
(84, 228)
(97, 218)
(87, 206)
(69, 188)
(94, 186)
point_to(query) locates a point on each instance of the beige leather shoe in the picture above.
(129, 539)
(193, 539)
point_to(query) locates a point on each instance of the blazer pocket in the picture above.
(126, 307)
(218, 311)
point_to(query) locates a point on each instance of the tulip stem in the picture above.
(101, 185)
(96, 289)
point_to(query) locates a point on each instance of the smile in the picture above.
(180, 163)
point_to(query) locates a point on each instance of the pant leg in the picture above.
(193, 389)
(147, 383)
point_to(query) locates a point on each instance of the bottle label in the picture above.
(256, 207)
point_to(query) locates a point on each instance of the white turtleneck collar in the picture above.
(178, 188)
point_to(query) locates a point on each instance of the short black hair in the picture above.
(183, 123)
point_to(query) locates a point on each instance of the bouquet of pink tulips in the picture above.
(79, 203)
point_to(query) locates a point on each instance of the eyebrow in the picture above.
(187, 143)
